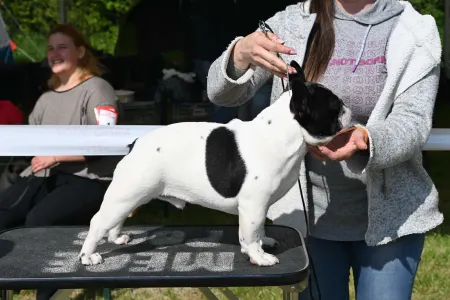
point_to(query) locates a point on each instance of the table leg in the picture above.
(291, 292)
(290, 295)
(208, 293)
(62, 295)
(229, 294)
(7, 295)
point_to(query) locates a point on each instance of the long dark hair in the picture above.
(321, 40)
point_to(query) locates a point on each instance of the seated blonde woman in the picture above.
(65, 190)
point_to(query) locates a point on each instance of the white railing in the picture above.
(27, 140)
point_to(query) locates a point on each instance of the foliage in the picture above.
(98, 20)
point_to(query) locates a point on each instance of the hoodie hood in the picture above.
(379, 12)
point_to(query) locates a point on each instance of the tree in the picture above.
(98, 20)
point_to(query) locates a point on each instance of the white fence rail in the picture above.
(27, 140)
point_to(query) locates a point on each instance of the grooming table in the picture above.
(157, 256)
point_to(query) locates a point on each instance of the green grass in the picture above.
(33, 47)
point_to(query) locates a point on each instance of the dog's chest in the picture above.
(286, 180)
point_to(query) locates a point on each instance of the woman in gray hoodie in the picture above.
(370, 199)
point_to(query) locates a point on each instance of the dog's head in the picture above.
(320, 113)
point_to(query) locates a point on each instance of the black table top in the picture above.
(157, 256)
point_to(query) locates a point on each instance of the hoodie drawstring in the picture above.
(362, 49)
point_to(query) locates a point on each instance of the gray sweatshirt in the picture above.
(76, 107)
(357, 74)
(401, 198)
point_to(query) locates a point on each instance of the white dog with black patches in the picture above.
(240, 168)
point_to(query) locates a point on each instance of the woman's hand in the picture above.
(342, 147)
(39, 163)
(256, 49)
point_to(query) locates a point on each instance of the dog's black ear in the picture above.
(300, 75)
(300, 92)
(297, 84)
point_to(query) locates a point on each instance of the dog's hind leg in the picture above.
(103, 221)
(115, 237)
(267, 241)
(125, 193)
(252, 216)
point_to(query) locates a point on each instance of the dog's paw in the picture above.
(94, 259)
(263, 259)
(269, 242)
(121, 240)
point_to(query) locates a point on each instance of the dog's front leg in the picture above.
(252, 216)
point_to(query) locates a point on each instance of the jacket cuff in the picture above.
(244, 76)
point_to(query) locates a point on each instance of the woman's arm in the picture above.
(406, 129)
(72, 158)
(393, 141)
(228, 85)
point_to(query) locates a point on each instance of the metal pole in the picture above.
(62, 11)
(8, 295)
(287, 295)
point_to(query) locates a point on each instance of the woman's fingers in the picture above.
(268, 60)
(265, 47)
(268, 66)
(275, 38)
(317, 153)
(274, 44)
(260, 49)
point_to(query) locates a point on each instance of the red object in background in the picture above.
(10, 114)
(12, 45)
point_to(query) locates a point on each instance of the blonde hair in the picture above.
(88, 64)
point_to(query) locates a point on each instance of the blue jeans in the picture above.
(6, 55)
(383, 272)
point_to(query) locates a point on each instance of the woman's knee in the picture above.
(388, 271)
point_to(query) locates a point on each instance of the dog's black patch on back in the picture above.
(130, 146)
(158, 149)
(225, 168)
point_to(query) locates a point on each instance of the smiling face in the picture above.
(62, 54)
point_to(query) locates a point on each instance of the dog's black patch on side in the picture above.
(269, 122)
(225, 168)
(158, 149)
(256, 177)
(131, 146)
(316, 108)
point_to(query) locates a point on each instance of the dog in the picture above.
(239, 168)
